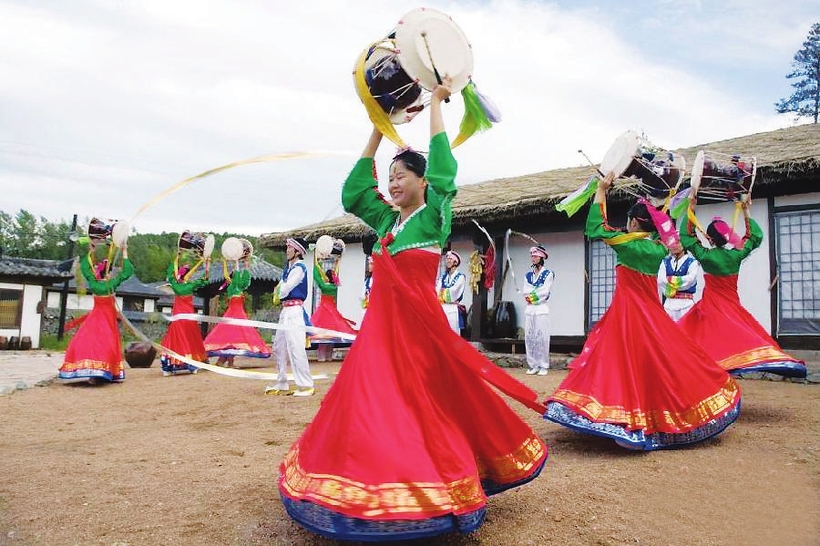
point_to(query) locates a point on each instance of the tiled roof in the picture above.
(47, 270)
(260, 271)
(130, 287)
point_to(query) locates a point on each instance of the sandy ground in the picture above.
(193, 460)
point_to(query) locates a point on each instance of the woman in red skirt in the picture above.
(719, 322)
(411, 438)
(227, 341)
(183, 336)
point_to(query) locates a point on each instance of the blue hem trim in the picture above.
(637, 439)
(92, 374)
(237, 352)
(786, 369)
(327, 523)
(166, 363)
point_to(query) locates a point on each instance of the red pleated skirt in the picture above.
(183, 337)
(639, 380)
(327, 316)
(235, 340)
(411, 433)
(731, 335)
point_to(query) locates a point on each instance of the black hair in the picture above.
(413, 161)
(639, 212)
(331, 276)
(714, 235)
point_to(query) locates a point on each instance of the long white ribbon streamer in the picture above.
(260, 324)
(231, 372)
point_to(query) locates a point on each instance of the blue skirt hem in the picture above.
(637, 439)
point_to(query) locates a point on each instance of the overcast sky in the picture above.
(105, 104)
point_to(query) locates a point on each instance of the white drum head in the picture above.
(119, 235)
(697, 173)
(621, 154)
(210, 242)
(449, 49)
(324, 246)
(232, 248)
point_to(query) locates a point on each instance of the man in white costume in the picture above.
(537, 287)
(451, 289)
(678, 281)
(290, 345)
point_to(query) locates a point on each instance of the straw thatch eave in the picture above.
(788, 163)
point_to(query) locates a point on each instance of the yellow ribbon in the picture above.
(690, 213)
(260, 159)
(626, 238)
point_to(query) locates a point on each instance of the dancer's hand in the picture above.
(443, 90)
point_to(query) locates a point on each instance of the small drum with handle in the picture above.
(193, 242)
(642, 168)
(100, 229)
(722, 177)
(394, 76)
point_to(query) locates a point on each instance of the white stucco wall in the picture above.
(566, 260)
(351, 273)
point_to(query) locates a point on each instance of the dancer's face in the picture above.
(406, 187)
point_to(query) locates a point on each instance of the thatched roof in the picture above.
(787, 158)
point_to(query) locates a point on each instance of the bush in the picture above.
(49, 342)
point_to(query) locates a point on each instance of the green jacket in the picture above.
(430, 225)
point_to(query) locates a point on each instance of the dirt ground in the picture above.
(193, 460)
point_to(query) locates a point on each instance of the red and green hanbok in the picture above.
(184, 337)
(720, 323)
(232, 339)
(95, 351)
(411, 437)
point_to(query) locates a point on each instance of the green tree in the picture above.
(805, 101)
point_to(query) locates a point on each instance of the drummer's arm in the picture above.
(360, 193)
(372, 144)
(688, 238)
(440, 92)
(597, 226)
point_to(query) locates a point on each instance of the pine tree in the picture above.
(805, 101)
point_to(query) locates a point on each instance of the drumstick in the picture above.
(430, 55)
(591, 163)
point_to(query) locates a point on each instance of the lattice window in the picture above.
(798, 258)
(11, 308)
(601, 270)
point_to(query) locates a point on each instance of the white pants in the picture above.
(537, 340)
(677, 307)
(451, 310)
(289, 345)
